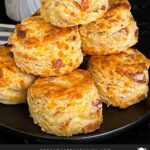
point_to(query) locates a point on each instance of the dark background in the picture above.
(138, 135)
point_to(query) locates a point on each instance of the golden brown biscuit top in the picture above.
(80, 4)
(116, 18)
(131, 63)
(68, 87)
(119, 2)
(34, 31)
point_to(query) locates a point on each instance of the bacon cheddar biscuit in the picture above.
(45, 50)
(66, 13)
(115, 32)
(122, 79)
(13, 82)
(66, 105)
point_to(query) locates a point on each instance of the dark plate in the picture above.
(15, 119)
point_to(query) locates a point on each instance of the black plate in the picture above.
(16, 119)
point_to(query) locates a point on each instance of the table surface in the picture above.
(138, 135)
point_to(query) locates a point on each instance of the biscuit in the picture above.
(68, 13)
(45, 50)
(13, 82)
(66, 105)
(122, 79)
(115, 32)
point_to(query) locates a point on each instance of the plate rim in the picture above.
(100, 137)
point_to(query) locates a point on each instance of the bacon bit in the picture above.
(125, 31)
(103, 7)
(97, 104)
(91, 127)
(137, 33)
(21, 33)
(58, 63)
(140, 78)
(84, 5)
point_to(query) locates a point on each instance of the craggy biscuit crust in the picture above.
(13, 82)
(68, 13)
(115, 32)
(42, 49)
(66, 105)
(121, 80)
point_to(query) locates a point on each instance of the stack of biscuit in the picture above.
(46, 51)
